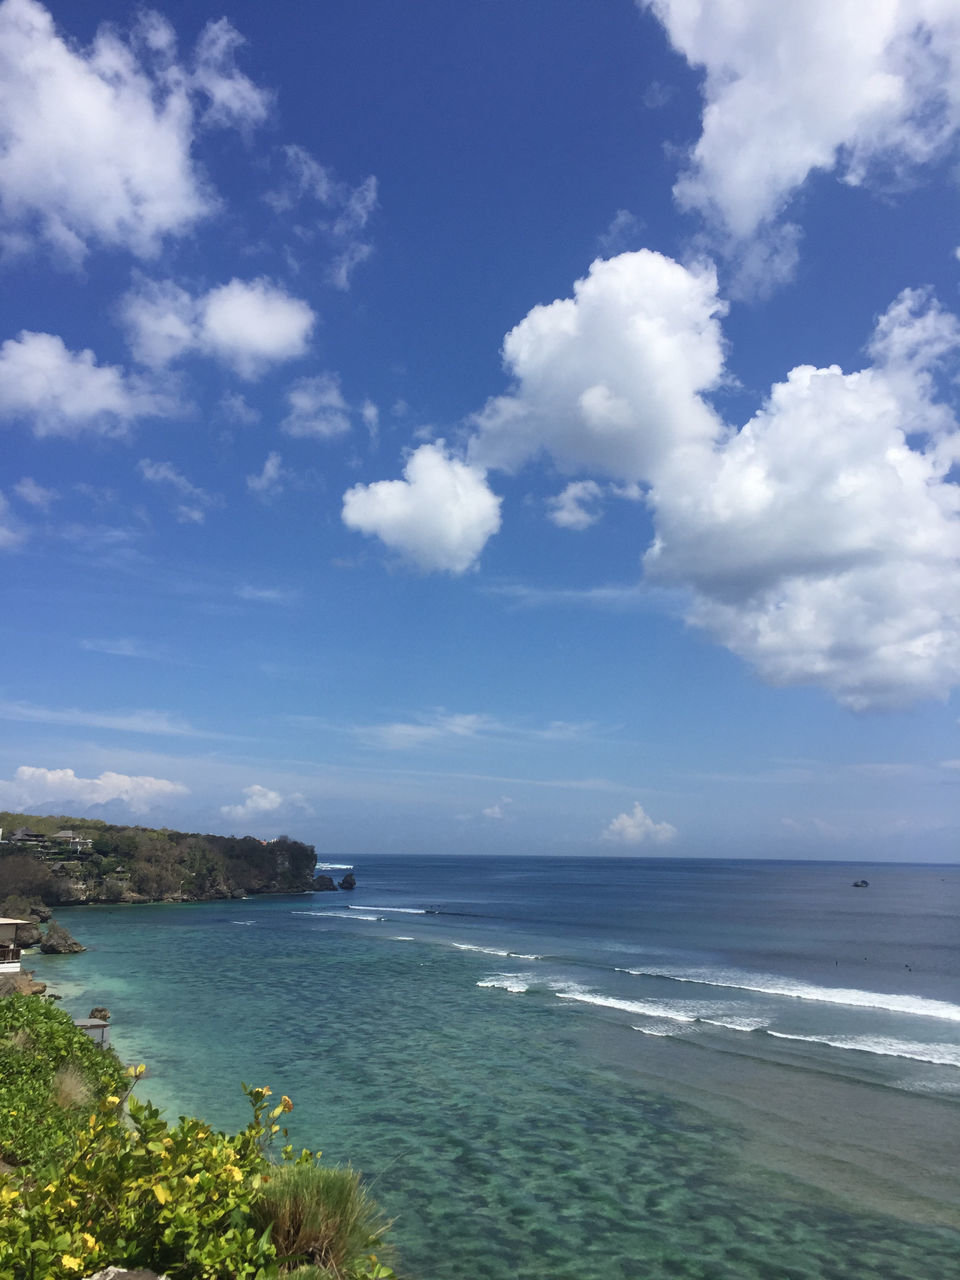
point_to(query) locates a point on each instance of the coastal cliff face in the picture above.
(83, 861)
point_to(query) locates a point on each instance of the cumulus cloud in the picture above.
(821, 540)
(248, 325)
(270, 480)
(121, 174)
(63, 392)
(193, 502)
(316, 408)
(260, 800)
(440, 515)
(32, 787)
(577, 507)
(827, 85)
(613, 378)
(637, 827)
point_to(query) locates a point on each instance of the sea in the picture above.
(579, 1069)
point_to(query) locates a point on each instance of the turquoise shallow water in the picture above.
(511, 1133)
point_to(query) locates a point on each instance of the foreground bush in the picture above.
(127, 1189)
(50, 1075)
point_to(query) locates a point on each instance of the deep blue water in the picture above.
(583, 1068)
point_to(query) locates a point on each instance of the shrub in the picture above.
(49, 1072)
(322, 1216)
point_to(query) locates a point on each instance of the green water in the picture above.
(501, 1140)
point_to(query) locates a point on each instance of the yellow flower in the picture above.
(286, 1103)
(88, 1240)
(232, 1171)
(70, 1262)
(111, 1100)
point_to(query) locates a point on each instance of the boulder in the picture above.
(98, 1011)
(21, 983)
(348, 881)
(323, 884)
(28, 935)
(58, 942)
(861, 884)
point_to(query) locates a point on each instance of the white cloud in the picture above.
(143, 721)
(120, 173)
(31, 787)
(316, 408)
(637, 827)
(120, 647)
(436, 727)
(498, 812)
(821, 541)
(35, 494)
(371, 420)
(194, 501)
(260, 800)
(577, 507)
(824, 85)
(249, 325)
(440, 515)
(610, 379)
(62, 392)
(11, 535)
(270, 480)
(345, 212)
(266, 595)
(235, 408)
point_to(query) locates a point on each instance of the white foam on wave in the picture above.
(334, 866)
(342, 915)
(517, 983)
(918, 1006)
(941, 1055)
(493, 951)
(243, 922)
(660, 1032)
(402, 937)
(644, 1007)
(407, 911)
(735, 1024)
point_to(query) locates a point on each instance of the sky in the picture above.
(484, 428)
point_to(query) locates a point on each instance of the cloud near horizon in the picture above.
(637, 827)
(32, 786)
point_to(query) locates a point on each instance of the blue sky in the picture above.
(492, 428)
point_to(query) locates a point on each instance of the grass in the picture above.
(325, 1225)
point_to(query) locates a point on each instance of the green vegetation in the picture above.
(117, 1185)
(50, 1075)
(99, 862)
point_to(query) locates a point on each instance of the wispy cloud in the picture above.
(194, 502)
(267, 595)
(614, 596)
(442, 726)
(121, 647)
(139, 721)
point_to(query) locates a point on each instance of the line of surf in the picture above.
(407, 911)
(917, 1006)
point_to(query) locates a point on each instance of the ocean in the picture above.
(581, 1069)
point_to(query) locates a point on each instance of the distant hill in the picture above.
(66, 860)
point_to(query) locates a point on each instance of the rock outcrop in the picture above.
(98, 1011)
(348, 881)
(58, 942)
(28, 935)
(323, 884)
